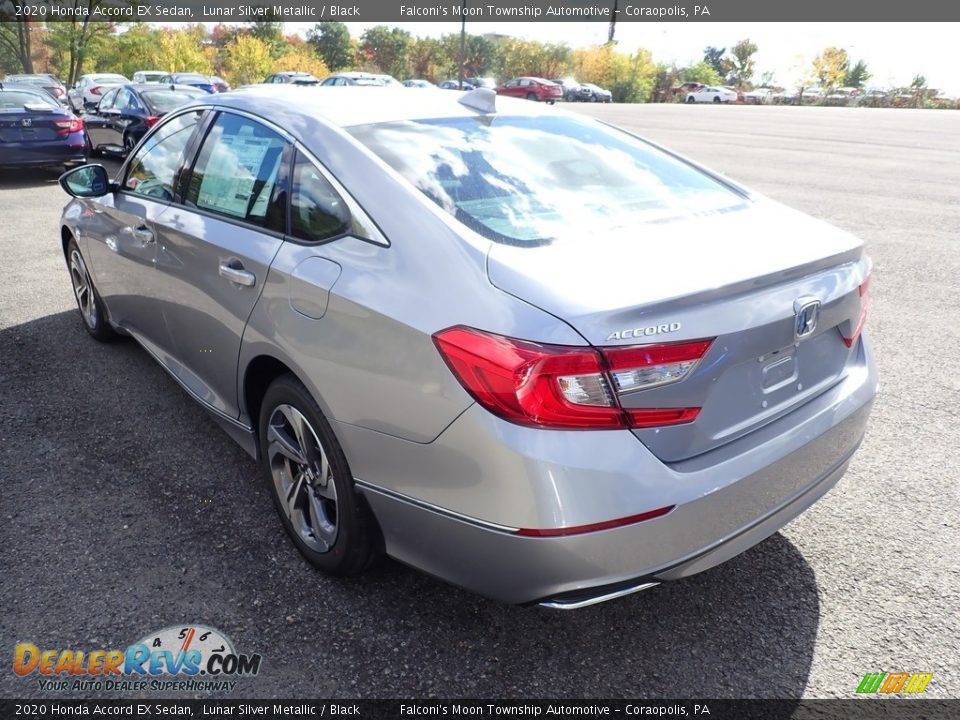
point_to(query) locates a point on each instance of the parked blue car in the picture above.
(193, 79)
(35, 130)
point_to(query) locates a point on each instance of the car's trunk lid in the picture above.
(739, 277)
(33, 124)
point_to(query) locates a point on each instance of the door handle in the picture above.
(234, 272)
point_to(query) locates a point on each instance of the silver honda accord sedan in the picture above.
(524, 351)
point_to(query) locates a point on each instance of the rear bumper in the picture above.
(42, 154)
(454, 513)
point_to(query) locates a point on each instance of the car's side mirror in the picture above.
(87, 181)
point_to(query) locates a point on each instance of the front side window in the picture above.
(153, 170)
(529, 180)
(317, 212)
(237, 173)
(108, 100)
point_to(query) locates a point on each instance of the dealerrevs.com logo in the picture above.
(185, 658)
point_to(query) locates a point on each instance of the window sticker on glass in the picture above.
(238, 168)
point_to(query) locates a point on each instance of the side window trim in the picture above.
(189, 151)
(206, 124)
(362, 225)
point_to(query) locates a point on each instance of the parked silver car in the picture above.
(514, 347)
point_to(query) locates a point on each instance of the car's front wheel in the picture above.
(310, 481)
(691, 99)
(88, 301)
(716, 99)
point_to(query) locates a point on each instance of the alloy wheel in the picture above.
(83, 290)
(303, 477)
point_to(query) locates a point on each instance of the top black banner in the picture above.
(477, 10)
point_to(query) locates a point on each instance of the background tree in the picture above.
(741, 62)
(666, 79)
(387, 50)
(136, 49)
(182, 50)
(701, 72)
(857, 76)
(332, 42)
(301, 58)
(831, 67)
(269, 32)
(16, 41)
(75, 40)
(427, 59)
(247, 60)
(713, 56)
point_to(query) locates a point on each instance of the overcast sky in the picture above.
(894, 52)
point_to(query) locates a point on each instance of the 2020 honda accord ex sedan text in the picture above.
(516, 348)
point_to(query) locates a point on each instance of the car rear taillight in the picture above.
(559, 386)
(151, 120)
(68, 126)
(864, 307)
(96, 90)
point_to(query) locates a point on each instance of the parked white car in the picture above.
(712, 94)
(758, 96)
(88, 90)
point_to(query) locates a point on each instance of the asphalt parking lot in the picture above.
(125, 509)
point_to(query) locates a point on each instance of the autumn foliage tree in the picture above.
(247, 60)
(831, 67)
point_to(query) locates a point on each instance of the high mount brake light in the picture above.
(567, 387)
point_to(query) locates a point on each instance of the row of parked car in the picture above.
(531, 88)
(42, 122)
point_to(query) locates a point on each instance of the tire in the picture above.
(593, 98)
(550, 102)
(89, 304)
(532, 96)
(691, 99)
(716, 100)
(309, 479)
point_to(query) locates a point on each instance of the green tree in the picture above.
(741, 62)
(136, 49)
(247, 60)
(713, 56)
(75, 41)
(831, 67)
(701, 72)
(427, 59)
(16, 41)
(387, 49)
(857, 76)
(270, 32)
(182, 50)
(333, 43)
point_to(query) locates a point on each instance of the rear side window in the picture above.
(14, 100)
(153, 169)
(237, 172)
(317, 212)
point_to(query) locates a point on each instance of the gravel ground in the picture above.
(125, 509)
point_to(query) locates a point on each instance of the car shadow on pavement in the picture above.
(23, 178)
(127, 510)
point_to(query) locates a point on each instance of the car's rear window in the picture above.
(14, 100)
(166, 100)
(529, 180)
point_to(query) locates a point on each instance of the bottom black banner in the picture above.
(865, 709)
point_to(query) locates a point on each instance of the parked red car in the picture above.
(532, 88)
